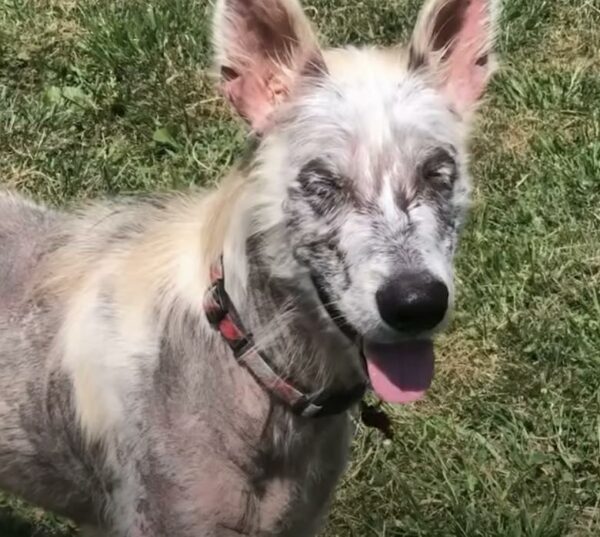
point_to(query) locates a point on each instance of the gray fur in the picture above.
(191, 460)
(38, 437)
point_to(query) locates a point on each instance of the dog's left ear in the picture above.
(453, 40)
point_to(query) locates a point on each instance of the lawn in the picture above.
(106, 97)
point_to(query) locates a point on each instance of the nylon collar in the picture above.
(223, 317)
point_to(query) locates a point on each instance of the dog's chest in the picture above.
(248, 489)
(294, 500)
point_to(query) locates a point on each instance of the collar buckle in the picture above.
(324, 403)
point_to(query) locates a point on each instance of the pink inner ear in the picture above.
(468, 65)
(251, 97)
(256, 92)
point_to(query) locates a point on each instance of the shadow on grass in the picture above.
(15, 524)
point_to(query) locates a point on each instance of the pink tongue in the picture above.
(400, 372)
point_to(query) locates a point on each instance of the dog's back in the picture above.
(35, 415)
(24, 229)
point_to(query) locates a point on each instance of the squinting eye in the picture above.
(320, 188)
(440, 167)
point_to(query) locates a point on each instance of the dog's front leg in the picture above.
(183, 506)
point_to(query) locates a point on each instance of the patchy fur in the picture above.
(119, 406)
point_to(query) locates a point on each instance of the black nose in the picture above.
(413, 301)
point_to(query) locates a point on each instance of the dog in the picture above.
(187, 364)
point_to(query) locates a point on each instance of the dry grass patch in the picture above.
(466, 362)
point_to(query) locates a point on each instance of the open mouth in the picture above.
(399, 372)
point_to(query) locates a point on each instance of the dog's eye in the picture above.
(315, 177)
(320, 187)
(440, 167)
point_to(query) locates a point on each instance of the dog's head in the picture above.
(363, 158)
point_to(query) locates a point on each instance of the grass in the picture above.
(106, 97)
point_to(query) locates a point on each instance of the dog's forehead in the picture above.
(372, 115)
(382, 99)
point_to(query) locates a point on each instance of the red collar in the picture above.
(222, 316)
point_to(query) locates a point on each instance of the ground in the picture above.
(110, 97)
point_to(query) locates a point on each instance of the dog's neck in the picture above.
(291, 326)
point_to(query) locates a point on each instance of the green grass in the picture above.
(106, 97)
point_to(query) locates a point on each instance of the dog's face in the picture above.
(366, 148)
(376, 196)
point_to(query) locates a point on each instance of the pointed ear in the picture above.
(454, 40)
(263, 48)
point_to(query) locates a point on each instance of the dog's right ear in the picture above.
(263, 48)
(453, 40)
